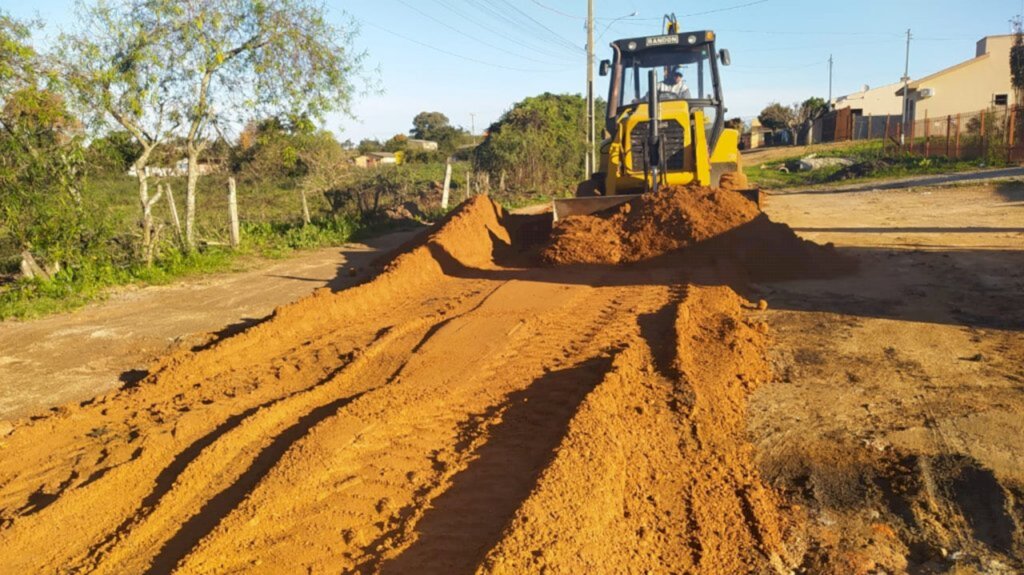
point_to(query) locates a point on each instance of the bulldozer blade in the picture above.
(563, 208)
(754, 195)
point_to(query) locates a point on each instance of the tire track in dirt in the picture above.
(511, 447)
(208, 465)
(645, 479)
(450, 420)
(220, 505)
(120, 488)
(487, 419)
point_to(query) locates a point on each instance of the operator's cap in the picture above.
(677, 71)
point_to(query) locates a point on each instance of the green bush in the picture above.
(539, 144)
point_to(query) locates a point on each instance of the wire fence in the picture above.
(993, 135)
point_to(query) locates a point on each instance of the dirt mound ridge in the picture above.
(654, 473)
(720, 221)
(115, 478)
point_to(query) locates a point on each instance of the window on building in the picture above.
(1001, 99)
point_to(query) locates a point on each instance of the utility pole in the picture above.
(472, 124)
(906, 92)
(590, 161)
(830, 79)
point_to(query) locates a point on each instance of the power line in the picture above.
(781, 68)
(457, 55)
(706, 12)
(725, 9)
(541, 24)
(559, 12)
(462, 33)
(495, 32)
(489, 9)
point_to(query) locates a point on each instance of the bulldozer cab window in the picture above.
(694, 63)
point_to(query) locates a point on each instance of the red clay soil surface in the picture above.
(895, 417)
(73, 356)
(728, 227)
(465, 412)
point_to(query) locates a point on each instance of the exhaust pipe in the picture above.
(654, 132)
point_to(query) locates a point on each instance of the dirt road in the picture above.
(897, 412)
(465, 412)
(71, 357)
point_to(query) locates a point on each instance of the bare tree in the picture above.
(240, 59)
(1017, 60)
(324, 161)
(115, 63)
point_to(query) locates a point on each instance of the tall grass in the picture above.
(272, 227)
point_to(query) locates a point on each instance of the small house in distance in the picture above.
(757, 137)
(869, 101)
(374, 159)
(422, 145)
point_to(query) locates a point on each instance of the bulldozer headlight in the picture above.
(691, 39)
(631, 46)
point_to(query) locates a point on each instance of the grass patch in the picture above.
(91, 280)
(870, 162)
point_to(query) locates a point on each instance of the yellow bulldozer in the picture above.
(665, 123)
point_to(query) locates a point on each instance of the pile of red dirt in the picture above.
(720, 222)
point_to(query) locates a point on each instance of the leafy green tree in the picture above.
(1017, 60)
(427, 125)
(118, 68)
(113, 152)
(793, 118)
(435, 126)
(253, 58)
(269, 150)
(805, 113)
(775, 116)
(397, 143)
(323, 164)
(40, 155)
(193, 67)
(539, 144)
(367, 145)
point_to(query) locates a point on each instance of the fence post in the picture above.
(913, 129)
(958, 136)
(173, 208)
(927, 134)
(885, 139)
(233, 213)
(949, 123)
(1010, 136)
(447, 184)
(984, 146)
(867, 136)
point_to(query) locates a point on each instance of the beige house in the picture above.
(374, 159)
(757, 134)
(872, 101)
(423, 145)
(976, 84)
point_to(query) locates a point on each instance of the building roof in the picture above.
(914, 85)
(862, 93)
(917, 83)
(381, 155)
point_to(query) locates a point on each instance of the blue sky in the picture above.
(478, 57)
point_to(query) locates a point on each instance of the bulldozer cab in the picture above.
(691, 53)
(660, 130)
